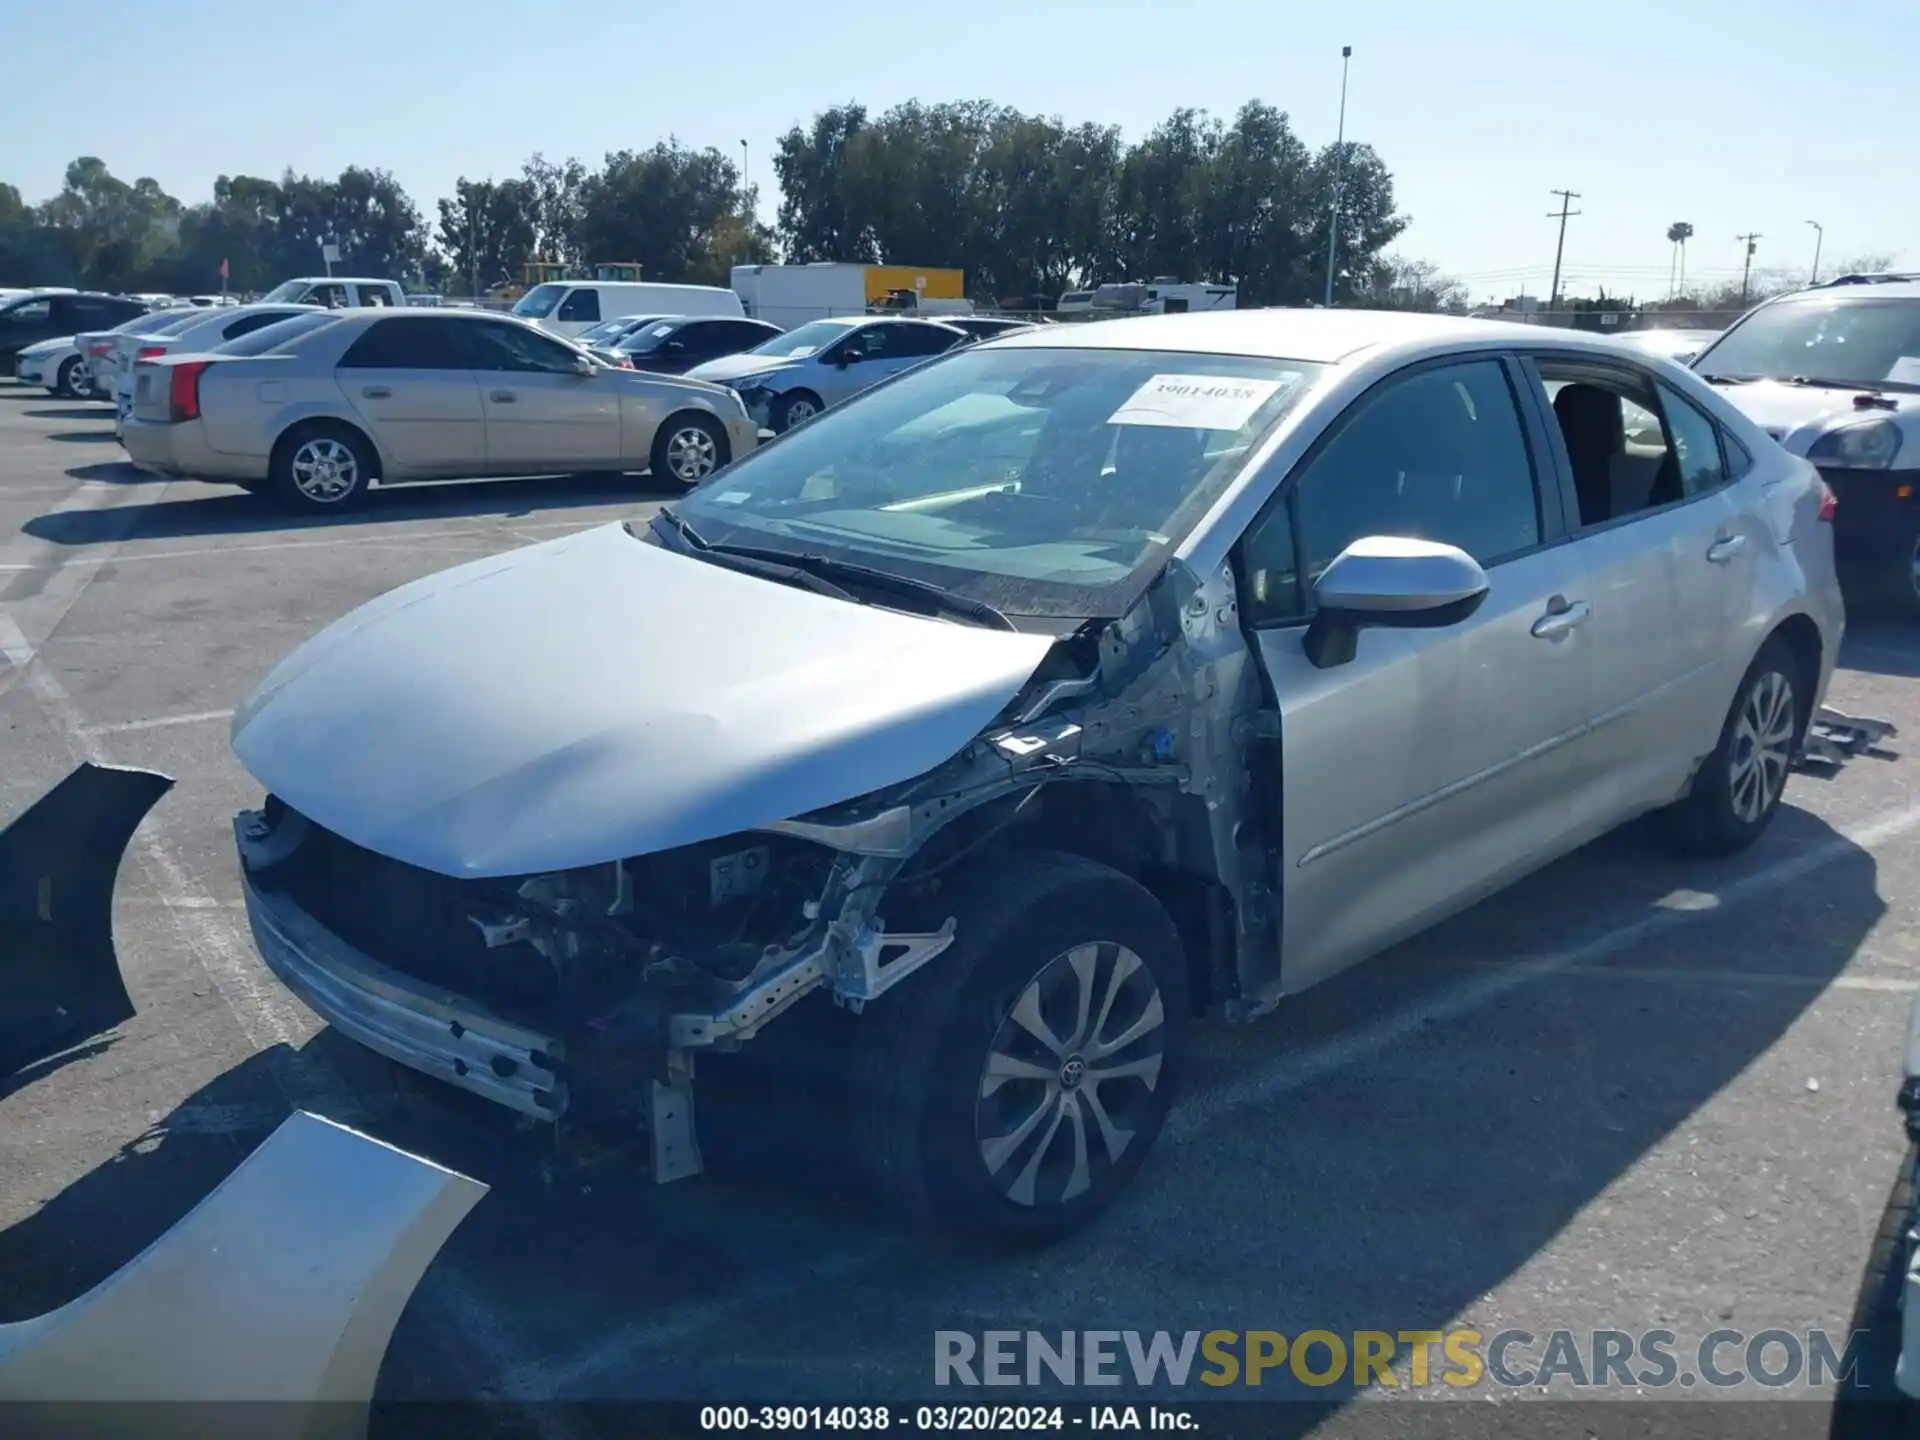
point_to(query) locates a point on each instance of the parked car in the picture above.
(1833, 374)
(599, 340)
(567, 308)
(675, 344)
(322, 407)
(793, 377)
(55, 365)
(332, 292)
(1679, 346)
(986, 327)
(1031, 704)
(100, 348)
(197, 330)
(48, 315)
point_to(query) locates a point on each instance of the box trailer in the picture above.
(790, 295)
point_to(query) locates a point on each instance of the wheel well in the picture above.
(695, 413)
(1112, 825)
(325, 422)
(1802, 639)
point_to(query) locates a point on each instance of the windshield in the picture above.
(287, 290)
(538, 302)
(1853, 342)
(272, 337)
(648, 338)
(1045, 482)
(606, 330)
(807, 340)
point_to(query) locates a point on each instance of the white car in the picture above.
(181, 334)
(56, 365)
(1679, 346)
(1833, 374)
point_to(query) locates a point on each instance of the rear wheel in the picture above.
(1014, 1087)
(687, 450)
(1738, 788)
(322, 466)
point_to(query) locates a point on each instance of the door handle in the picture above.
(1725, 548)
(503, 397)
(1557, 624)
(376, 392)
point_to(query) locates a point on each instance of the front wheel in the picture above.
(1013, 1087)
(1738, 787)
(687, 450)
(795, 409)
(74, 381)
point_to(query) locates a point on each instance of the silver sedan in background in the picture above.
(321, 408)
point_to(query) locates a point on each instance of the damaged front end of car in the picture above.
(588, 993)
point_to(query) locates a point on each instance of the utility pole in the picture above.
(1339, 156)
(473, 253)
(1563, 214)
(1819, 236)
(1746, 270)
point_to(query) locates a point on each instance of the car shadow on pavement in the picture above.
(1891, 649)
(90, 412)
(84, 437)
(231, 512)
(1393, 1191)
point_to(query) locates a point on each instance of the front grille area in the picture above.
(415, 921)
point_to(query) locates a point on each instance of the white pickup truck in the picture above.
(335, 292)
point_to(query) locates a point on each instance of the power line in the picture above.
(1567, 197)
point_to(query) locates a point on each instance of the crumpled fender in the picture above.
(60, 979)
(279, 1292)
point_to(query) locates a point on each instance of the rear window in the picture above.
(272, 337)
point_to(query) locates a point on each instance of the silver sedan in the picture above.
(324, 407)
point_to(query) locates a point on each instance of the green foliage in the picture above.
(1024, 204)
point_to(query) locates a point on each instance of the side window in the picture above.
(374, 295)
(873, 343)
(515, 348)
(404, 344)
(34, 312)
(580, 306)
(923, 340)
(334, 297)
(698, 341)
(1696, 445)
(1739, 458)
(1439, 455)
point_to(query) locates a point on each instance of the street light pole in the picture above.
(744, 167)
(1819, 237)
(1339, 156)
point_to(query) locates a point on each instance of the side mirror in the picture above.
(1390, 582)
(583, 365)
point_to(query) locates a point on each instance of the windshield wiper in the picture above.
(680, 527)
(1820, 384)
(866, 575)
(769, 563)
(1729, 379)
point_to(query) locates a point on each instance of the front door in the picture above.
(408, 381)
(1437, 764)
(542, 415)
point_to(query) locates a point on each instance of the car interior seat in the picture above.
(1595, 434)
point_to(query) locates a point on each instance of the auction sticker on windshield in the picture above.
(1194, 402)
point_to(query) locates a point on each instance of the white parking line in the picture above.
(1737, 979)
(161, 722)
(1259, 1086)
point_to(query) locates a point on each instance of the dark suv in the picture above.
(28, 319)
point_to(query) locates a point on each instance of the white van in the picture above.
(567, 307)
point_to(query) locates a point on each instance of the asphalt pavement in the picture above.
(1629, 1093)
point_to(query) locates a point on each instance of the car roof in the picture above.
(1869, 288)
(1317, 336)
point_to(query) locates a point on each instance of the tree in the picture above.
(815, 222)
(680, 213)
(1678, 234)
(556, 207)
(488, 232)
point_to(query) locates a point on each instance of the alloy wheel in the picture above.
(1070, 1074)
(799, 411)
(325, 470)
(1762, 746)
(691, 454)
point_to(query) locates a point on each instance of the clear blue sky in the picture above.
(1735, 115)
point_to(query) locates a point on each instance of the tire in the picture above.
(72, 381)
(1898, 583)
(795, 409)
(940, 1137)
(322, 466)
(688, 448)
(1724, 813)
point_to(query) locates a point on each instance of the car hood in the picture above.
(1797, 415)
(46, 347)
(729, 368)
(597, 697)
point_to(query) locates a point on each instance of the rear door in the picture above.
(1437, 764)
(408, 380)
(541, 414)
